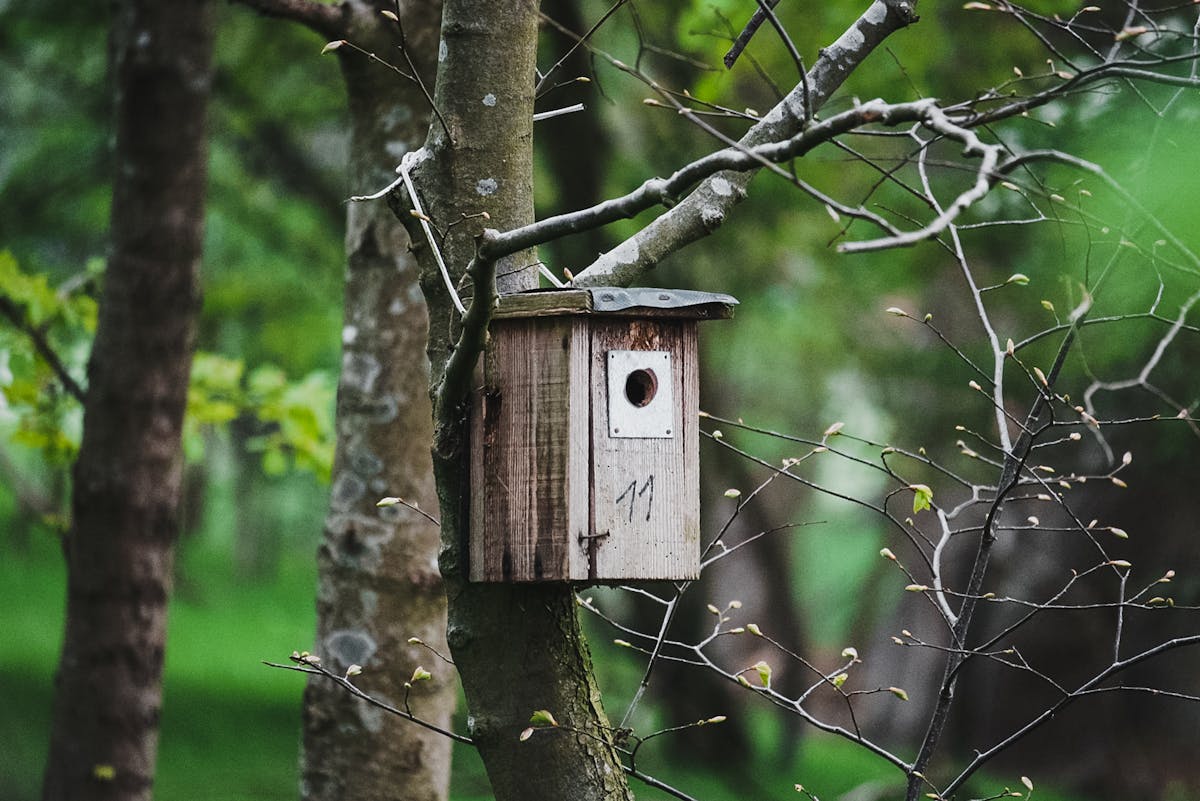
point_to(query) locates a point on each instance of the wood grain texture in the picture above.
(530, 453)
(555, 497)
(645, 492)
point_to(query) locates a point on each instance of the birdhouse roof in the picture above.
(619, 302)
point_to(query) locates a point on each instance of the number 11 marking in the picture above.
(633, 493)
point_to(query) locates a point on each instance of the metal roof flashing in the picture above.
(617, 301)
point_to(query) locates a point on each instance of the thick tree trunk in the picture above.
(127, 479)
(518, 648)
(378, 583)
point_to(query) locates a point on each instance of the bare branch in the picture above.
(706, 207)
(1088, 688)
(1014, 462)
(306, 664)
(416, 74)
(986, 175)
(794, 53)
(580, 42)
(743, 39)
(41, 344)
(455, 385)
(326, 20)
(718, 170)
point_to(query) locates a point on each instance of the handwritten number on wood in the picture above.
(631, 491)
(648, 487)
(633, 494)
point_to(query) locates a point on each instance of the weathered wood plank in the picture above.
(522, 446)
(645, 491)
(557, 497)
(579, 455)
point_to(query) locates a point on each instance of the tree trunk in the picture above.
(119, 548)
(378, 581)
(518, 648)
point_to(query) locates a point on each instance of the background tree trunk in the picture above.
(127, 478)
(378, 578)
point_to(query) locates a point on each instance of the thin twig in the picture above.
(752, 26)
(41, 344)
(315, 669)
(579, 42)
(410, 160)
(417, 75)
(766, 6)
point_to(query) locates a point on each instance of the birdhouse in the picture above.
(585, 437)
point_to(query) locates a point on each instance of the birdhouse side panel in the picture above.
(529, 452)
(645, 471)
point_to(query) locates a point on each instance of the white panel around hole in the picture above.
(640, 398)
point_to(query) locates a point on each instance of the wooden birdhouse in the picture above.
(585, 437)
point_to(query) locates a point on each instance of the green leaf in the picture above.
(542, 717)
(922, 497)
(764, 673)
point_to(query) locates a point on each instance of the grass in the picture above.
(231, 726)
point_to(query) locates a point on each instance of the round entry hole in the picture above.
(640, 387)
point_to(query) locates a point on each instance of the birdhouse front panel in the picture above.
(585, 437)
(645, 450)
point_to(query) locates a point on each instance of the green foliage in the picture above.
(220, 630)
(273, 285)
(55, 129)
(45, 306)
(922, 497)
(273, 251)
(292, 421)
(35, 410)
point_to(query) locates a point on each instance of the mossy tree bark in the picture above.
(518, 648)
(378, 579)
(125, 503)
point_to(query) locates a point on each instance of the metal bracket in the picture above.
(641, 402)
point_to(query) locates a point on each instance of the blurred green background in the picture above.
(810, 345)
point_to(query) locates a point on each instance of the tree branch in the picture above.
(1087, 688)
(705, 209)
(738, 160)
(305, 664)
(743, 39)
(43, 347)
(324, 19)
(455, 386)
(1014, 462)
